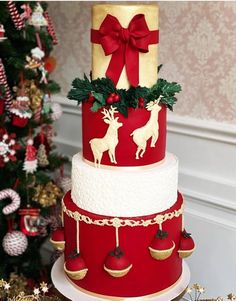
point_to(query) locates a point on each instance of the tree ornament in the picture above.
(21, 112)
(58, 239)
(3, 82)
(42, 154)
(50, 28)
(50, 63)
(2, 33)
(149, 130)
(46, 104)
(116, 263)
(75, 266)
(186, 245)
(35, 95)
(47, 195)
(15, 16)
(162, 246)
(36, 59)
(8, 147)
(26, 11)
(56, 111)
(29, 221)
(37, 19)
(109, 141)
(15, 200)
(15, 243)
(30, 163)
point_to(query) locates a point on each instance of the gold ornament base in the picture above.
(66, 287)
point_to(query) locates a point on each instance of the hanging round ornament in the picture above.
(56, 111)
(2, 33)
(50, 63)
(31, 162)
(75, 266)
(37, 19)
(21, 112)
(30, 221)
(162, 246)
(58, 239)
(186, 245)
(14, 242)
(117, 263)
(8, 147)
(15, 16)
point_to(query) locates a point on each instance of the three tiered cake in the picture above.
(123, 232)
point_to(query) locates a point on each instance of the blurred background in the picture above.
(197, 49)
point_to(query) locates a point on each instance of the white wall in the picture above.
(207, 154)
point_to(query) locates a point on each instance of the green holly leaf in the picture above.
(99, 97)
(96, 106)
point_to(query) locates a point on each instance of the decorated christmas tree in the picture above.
(31, 172)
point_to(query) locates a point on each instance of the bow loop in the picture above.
(124, 44)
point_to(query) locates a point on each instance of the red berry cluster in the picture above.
(91, 98)
(112, 98)
(141, 102)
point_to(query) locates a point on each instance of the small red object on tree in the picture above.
(30, 163)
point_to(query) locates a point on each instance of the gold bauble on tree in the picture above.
(47, 195)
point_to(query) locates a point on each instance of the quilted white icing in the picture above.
(125, 192)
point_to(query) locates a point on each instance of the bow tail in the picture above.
(116, 64)
(132, 65)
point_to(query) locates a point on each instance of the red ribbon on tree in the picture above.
(124, 44)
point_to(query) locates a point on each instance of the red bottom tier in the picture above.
(97, 236)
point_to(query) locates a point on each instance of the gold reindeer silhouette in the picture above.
(149, 130)
(109, 141)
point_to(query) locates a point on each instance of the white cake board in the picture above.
(64, 286)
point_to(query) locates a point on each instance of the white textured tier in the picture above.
(125, 192)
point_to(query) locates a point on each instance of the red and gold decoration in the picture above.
(47, 195)
(58, 239)
(75, 266)
(187, 245)
(36, 59)
(15, 16)
(29, 221)
(8, 147)
(124, 45)
(162, 246)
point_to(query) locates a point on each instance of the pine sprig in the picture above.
(101, 88)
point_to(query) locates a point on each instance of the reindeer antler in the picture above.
(106, 114)
(112, 111)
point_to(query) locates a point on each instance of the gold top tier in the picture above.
(147, 61)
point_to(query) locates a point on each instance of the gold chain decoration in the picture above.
(117, 222)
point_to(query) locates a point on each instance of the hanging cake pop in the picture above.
(116, 263)
(75, 266)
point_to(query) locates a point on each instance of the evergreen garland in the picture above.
(101, 88)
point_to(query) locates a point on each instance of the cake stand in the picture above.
(65, 287)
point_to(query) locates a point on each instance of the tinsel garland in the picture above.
(102, 88)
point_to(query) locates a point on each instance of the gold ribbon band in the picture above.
(126, 168)
(118, 222)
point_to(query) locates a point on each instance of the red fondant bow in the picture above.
(124, 44)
